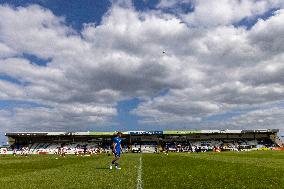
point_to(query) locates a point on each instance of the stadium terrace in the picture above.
(145, 141)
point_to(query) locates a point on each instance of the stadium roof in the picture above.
(180, 132)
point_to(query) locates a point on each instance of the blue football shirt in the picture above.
(117, 142)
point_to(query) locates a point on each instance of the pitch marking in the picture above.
(139, 175)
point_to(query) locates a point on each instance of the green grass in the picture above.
(264, 169)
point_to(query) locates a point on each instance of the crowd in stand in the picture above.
(217, 146)
(80, 149)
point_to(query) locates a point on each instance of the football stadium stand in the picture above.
(144, 141)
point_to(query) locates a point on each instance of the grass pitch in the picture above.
(259, 169)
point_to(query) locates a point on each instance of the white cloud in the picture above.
(209, 13)
(262, 35)
(270, 118)
(60, 118)
(237, 73)
(175, 108)
(43, 35)
(10, 91)
(6, 51)
(207, 71)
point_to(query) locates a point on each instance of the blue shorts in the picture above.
(117, 154)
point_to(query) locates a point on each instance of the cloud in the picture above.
(43, 35)
(262, 118)
(6, 51)
(266, 40)
(207, 71)
(210, 13)
(10, 91)
(84, 71)
(64, 117)
(236, 72)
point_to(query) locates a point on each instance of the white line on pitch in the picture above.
(139, 175)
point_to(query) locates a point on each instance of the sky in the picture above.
(68, 65)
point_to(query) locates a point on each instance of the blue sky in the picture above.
(142, 65)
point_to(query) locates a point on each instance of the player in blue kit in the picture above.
(116, 150)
